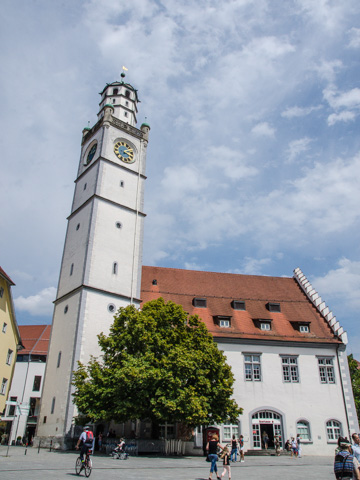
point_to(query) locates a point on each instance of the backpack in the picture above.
(89, 436)
(343, 465)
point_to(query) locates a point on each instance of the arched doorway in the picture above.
(269, 422)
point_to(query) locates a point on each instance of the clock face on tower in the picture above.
(91, 154)
(124, 152)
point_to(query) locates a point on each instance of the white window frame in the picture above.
(304, 329)
(266, 326)
(333, 430)
(290, 368)
(326, 370)
(303, 429)
(252, 367)
(224, 323)
(228, 430)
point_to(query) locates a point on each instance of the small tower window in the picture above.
(111, 308)
(78, 226)
(127, 94)
(59, 360)
(113, 100)
(115, 268)
(85, 185)
(66, 309)
(115, 91)
(53, 405)
(71, 269)
(125, 114)
(118, 224)
(126, 103)
(122, 183)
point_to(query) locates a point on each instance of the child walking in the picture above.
(226, 461)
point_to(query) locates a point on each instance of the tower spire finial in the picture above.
(123, 72)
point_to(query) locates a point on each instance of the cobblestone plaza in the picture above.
(60, 465)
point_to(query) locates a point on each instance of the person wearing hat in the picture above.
(346, 466)
(86, 439)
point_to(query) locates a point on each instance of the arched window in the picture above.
(127, 94)
(333, 430)
(303, 429)
(71, 269)
(115, 91)
(115, 268)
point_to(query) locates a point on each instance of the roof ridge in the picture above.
(320, 305)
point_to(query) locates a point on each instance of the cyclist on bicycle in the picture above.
(86, 439)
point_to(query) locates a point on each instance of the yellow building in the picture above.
(10, 341)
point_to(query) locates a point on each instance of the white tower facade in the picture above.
(102, 258)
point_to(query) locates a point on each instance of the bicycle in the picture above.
(86, 465)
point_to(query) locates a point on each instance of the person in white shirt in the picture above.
(356, 446)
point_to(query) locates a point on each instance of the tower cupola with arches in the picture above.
(102, 256)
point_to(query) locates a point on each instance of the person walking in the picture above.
(233, 449)
(298, 444)
(241, 448)
(226, 462)
(212, 449)
(265, 438)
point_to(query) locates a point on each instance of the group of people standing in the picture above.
(213, 447)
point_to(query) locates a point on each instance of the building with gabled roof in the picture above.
(23, 407)
(285, 347)
(10, 340)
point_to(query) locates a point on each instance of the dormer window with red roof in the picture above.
(199, 302)
(301, 326)
(223, 321)
(263, 323)
(273, 307)
(238, 305)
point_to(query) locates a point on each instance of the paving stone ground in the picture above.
(61, 465)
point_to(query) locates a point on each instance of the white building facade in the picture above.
(102, 258)
(23, 405)
(286, 350)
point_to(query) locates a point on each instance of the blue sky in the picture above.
(254, 157)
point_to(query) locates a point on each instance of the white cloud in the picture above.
(341, 283)
(253, 266)
(296, 147)
(263, 129)
(354, 34)
(344, 116)
(296, 111)
(40, 304)
(349, 99)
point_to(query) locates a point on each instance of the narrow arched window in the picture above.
(71, 269)
(115, 268)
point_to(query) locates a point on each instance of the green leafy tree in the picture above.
(355, 381)
(158, 363)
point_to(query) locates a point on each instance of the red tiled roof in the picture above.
(219, 289)
(2, 272)
(35, 339)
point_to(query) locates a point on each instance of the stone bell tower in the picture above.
(102, 257)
